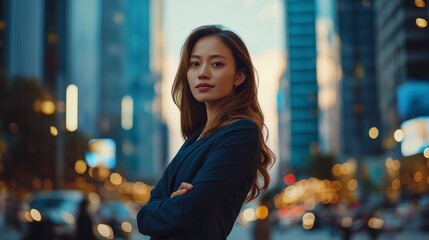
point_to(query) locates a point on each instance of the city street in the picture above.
(240, 233)
(244, 233)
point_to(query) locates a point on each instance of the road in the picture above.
(244, 233)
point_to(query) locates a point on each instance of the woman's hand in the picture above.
(183, 189)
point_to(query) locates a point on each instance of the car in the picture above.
(53, 213)
(119, 218)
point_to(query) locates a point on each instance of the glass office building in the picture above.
(24, 26)
(300, 116)
(359, 95)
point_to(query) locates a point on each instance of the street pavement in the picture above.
(244, 233)
(241, 232)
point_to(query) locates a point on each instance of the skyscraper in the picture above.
(113, 82)
(2, 38)
(24, 26)
(300, 98)
(79, 58)
(359, 95)
(403, 79)
(402, 53)
(130, 81)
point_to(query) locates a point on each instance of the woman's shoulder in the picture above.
(240, 124)
(244, 131)
(244, 122)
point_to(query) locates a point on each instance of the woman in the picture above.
(224, 156)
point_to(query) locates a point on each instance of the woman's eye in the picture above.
(193, 64)
(217, 64)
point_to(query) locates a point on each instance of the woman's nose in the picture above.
(204, 72)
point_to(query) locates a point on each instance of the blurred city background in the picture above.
(86, 112)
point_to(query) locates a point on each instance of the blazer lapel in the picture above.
(181, 156)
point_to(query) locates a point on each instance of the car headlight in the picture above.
(126, 227)
(68, 217)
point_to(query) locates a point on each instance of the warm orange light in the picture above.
(336, 169)
(115, 178)
(140, 188)
(396, 165)
(80, 166)
(421, 22)
(396, 184)
(309, 204)
(35, 214)
(420, 3)
(346, 168)
(418, 176)
(352, 184)
(53, 130)
(375, 223)
(308, 220)
(126, 227)
(105, 231)
(47, 107)
(262, 212)
(373, 132)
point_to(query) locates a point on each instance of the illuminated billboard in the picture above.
(416, 136)
(413, 100)
(101, 152)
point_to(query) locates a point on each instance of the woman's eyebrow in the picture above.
(211, 56)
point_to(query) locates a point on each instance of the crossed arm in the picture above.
(183, 189)
(231, 159)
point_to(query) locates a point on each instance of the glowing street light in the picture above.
(72, 108)
(127, 112)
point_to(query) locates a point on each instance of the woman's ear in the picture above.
(239, 78)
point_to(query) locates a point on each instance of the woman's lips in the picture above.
(204, 87)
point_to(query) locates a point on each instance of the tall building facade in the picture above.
(50, 45)
(2, 38)
(129, 80)
(402, 48)
(24, 41)
(79, 58)
(359, 92)
(402, 54)
(111, 51)
(328, 77)
(112, 82)
(300, 118)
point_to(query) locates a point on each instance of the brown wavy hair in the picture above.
(243, 104)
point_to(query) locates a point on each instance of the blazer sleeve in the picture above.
(230, 160)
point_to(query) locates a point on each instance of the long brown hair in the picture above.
(244, 103)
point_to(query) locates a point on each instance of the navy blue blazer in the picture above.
(221, 168)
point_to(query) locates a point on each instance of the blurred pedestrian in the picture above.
(84, 222)
(225, 155)
(262, 225)
(38, 230)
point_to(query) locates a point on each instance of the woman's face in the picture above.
(212, 74)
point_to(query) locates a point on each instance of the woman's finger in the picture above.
(183, 189)
(185, 185)
(179, 193)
